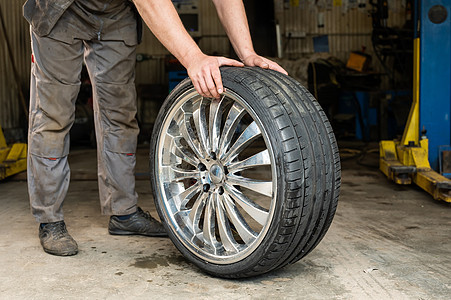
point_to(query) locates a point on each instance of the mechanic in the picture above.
(104, 35)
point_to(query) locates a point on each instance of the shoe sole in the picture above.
(122, 232)
(70, 253)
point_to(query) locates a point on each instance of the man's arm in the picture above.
(233, 17)
(163, 20)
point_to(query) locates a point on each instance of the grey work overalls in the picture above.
(64, 34)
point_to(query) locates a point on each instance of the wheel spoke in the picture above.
(172, 174)
(209, 224)
(216, 109)
(180, 151)
(244, 230)
(174, 129)
(186, 195)
(188, 133)
(248, 136)
(176, 188)
(257, 212)
(259, 159)
(235, 114)
(260, 186)
(224, 229)
(196, 212)
(200, 120)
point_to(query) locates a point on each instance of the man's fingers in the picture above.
(256, 61)
(201, 87)
(224, 61)
(216, 75)
(278, 68)
(209, 85)
(261, 63)
(211, 81)
(206, 76)
(267, 64)
(205, 89)
(197, 87)
(212, 89)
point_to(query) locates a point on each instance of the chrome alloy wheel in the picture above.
(215, 178)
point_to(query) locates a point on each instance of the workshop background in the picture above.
(391, 237)
(308, 30)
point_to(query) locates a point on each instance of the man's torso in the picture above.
(67, 20)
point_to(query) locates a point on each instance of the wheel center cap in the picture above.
(216, 174)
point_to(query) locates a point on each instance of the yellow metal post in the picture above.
(407, 160)
(2, 139)
(412, 130)
(13, 159)
(3, 147)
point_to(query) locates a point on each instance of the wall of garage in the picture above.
(346, 26)
(17, 33)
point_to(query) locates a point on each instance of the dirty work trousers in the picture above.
(55, 82)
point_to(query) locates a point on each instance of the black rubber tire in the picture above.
(307, 164)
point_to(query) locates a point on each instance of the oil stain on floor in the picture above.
(155, 261)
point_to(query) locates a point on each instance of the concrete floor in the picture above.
(386, 242)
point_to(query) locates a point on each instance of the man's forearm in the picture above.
(233, 18)
(163, 20)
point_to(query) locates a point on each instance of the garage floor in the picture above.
(386, 242)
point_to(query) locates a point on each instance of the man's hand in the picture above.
(264, 63)
(205, 75)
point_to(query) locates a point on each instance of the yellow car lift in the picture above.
(406, 161)
(13, 159)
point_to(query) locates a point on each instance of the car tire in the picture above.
(248, 183)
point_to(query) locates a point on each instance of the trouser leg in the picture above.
(55, 82)
(111, 65)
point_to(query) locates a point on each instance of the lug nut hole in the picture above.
(213, 155)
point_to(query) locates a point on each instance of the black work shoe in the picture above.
(141, 223)
(56, 240)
